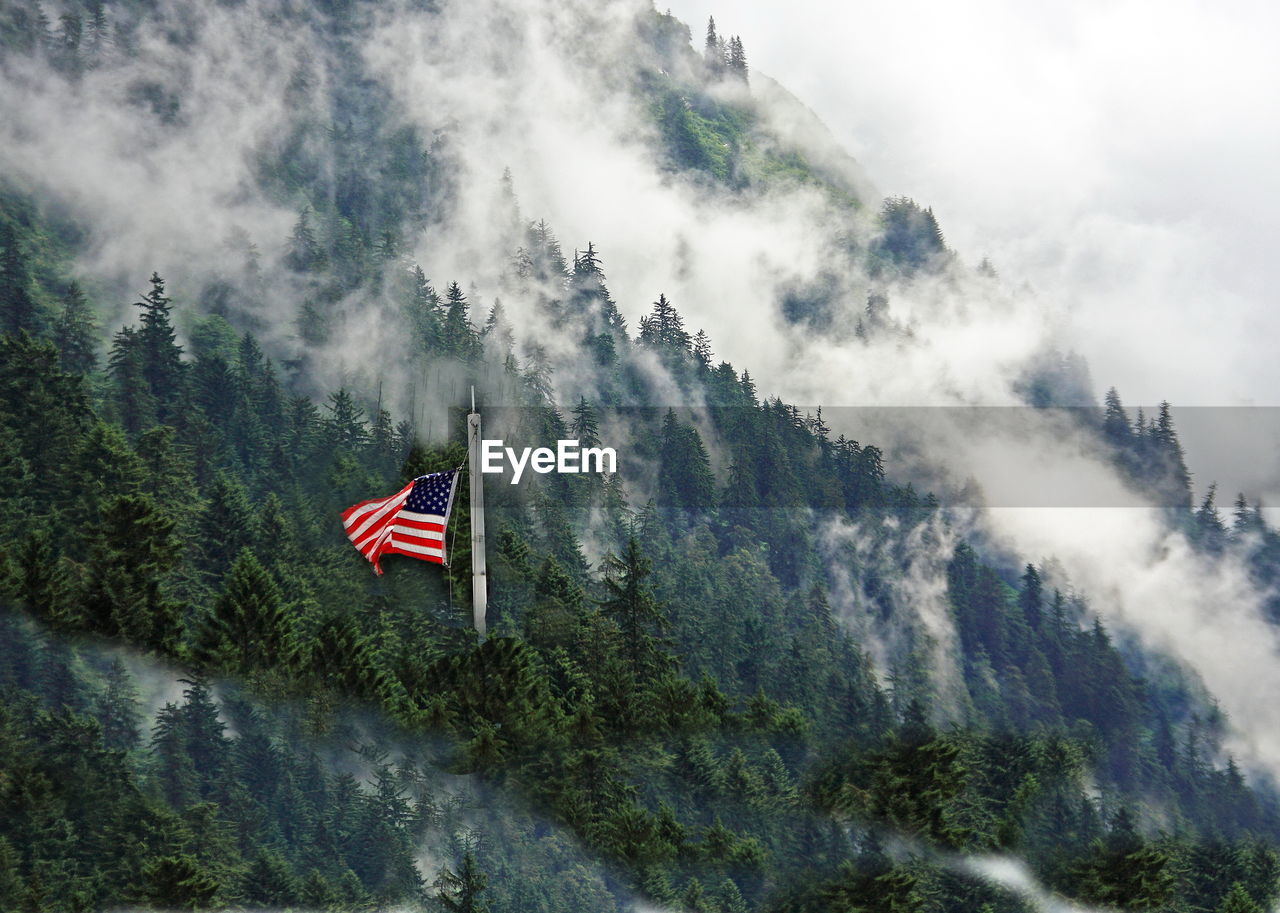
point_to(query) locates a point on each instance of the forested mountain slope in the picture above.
(755, 669)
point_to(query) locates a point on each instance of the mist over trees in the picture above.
(711, 682)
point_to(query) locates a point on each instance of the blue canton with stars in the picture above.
(430, 494)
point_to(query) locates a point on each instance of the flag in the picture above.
(410, 522)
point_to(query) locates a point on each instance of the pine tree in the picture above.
(99, 37)
(589, 303)
(67, 47)
(304, 252)
(737, 60)
(345, 425)
(461, 892)
(629, 601)
(13, 893)
(249, 627)
(1245, 520)
(664, 326)
(911, 237)
(685, 480)
(75, 333)
(459, 336)
(225, 525)
(1031, 599)
(729, 899)
(179, 882)
(135, 406)
(1171, 478)
(508, 209)
(316, 893)
(119, 710)
(694, 897)
(269, 882)
(45, 413)
(498, 333)
(702, 349)
(1237, 900)
(586, 424)
(133, 548)
(204, 738)
(40, 579)
(1115, 422)
(1210, 531)
(712, 53)
(213, 388)
(161, 356)
(546, 259)
(18, 309)
(425, 313)
(256, 382)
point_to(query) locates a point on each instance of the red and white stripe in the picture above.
(382, 527)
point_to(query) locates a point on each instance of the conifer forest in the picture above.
(254, 257)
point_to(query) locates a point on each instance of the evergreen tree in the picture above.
(498, 332)
(345, 425)
(1167, 464)
(459, 336)
(133, 548)
(249, 627)
(75, 333)
(179, 882)
(18, 309)
(12, 890)
(461, 892)
(1238, 900)
(737, 60)
(119, 709)
(1209, 531)
(304, 252)
(159, 352)
(629, 601)
(1031, 599)
(911, 238)
(425, 312)
(702, 349)
(685, 480)
(1115, 422)
(135, 405)
(664, 326)
(98, 40)
(225, 525)
(269, 882)
(586, 425)
(40, 580)
(546, 259)
(713, 53)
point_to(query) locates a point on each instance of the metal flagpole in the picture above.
(479, 580)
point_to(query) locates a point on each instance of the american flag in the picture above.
(410, 522)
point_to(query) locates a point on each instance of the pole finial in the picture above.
(473, 398)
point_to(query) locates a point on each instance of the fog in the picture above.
(1115, 156)
(1105, 159)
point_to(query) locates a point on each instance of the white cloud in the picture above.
(1118, 156)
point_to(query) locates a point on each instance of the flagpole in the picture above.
(479, 580)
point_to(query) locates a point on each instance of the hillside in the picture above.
(252, 259)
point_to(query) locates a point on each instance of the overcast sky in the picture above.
(1121, 157)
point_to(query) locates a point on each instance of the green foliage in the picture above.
(461, 892)
(911, 239)
(691, 709)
